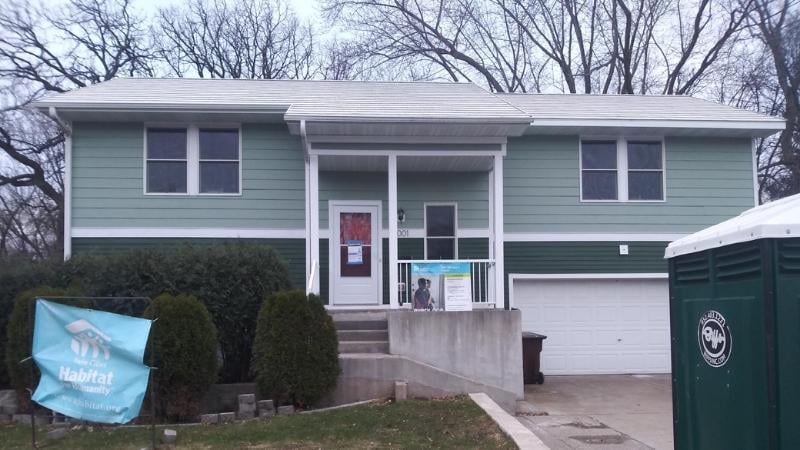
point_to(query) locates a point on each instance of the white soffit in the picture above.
(778, 219)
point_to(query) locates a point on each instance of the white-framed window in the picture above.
(166, 160)
(193, 160)
(441, 231)
(622, 170)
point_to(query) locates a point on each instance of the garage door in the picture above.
(598, 326)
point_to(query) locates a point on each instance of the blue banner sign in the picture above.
(91, 362)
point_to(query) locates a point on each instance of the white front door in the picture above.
(597, 326)
(355, 253)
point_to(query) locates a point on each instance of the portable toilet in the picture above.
(735, 325)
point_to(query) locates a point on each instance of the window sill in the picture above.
(623, 201)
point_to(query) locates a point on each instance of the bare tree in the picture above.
(55, 50)
(778, 23)
(243, 39)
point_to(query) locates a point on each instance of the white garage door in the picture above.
(597, 326)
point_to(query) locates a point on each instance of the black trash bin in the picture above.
(531, 353)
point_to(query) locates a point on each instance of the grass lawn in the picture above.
(453, 423)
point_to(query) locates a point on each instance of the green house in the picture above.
(560, 205)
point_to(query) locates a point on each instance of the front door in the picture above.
(355, 253)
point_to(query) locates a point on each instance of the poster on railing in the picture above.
(442, 286)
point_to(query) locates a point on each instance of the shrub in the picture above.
(183, 345)
(231, 279)
(19, 275)
(19, 332)
(295, 353)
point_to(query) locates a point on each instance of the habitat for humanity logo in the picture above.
(92, 350)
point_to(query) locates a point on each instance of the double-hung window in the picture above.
(167, 160)
(441, 240)
(599, 174)
(622, 170)
(645, 170)
(192, 160)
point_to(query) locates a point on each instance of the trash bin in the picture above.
(531, 354)
(735, 326)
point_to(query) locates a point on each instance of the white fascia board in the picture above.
(592, 237)
(752, 233)
(249, 233)
(409, 119)
(764, 125)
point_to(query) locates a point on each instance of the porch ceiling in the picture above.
(456, 163)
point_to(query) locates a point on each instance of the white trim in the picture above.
(431, 152)
(622, 170)
(512, 277)
(499, 235)
(331, 253)
(192, 159)
(490, 234)
(350, 139)
(425, 227)
(394, 279)
(767, 125)
(141, 232)
(754, 149)
(593, 237)
(68, 195)
(623, 195)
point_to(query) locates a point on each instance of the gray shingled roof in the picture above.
(314, 100)
(554, 108)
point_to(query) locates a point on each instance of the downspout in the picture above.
(67, 212)
(310, 265)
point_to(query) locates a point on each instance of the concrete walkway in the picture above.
(601, 412)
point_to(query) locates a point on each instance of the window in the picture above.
(192, 160)
(645, 171)
(620, 170)
(219, 161)
(440, 232)
(599, 170)
(166, 161)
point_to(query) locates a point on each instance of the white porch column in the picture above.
(313, 219)
(392, 215)
(497, 232)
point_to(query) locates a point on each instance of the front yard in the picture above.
(454, 423)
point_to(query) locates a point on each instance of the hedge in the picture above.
(230, 279)
(16, 276)
(183, 343)
(295, 354)
(18, 335)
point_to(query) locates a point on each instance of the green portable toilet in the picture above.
(735, 325)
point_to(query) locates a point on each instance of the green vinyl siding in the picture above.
(583, 257)
(470, 190)
(292, 251)
(709, 179)
(108, 177)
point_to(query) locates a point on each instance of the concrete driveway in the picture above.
(601, 412)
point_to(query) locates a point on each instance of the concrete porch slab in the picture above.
(601, 411)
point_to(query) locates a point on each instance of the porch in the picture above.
(376, 212)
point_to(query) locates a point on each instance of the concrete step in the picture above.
(363, 347)
(361, 324)
(363, 335)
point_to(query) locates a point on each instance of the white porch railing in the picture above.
(481, 272)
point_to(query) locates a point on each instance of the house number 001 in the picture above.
(402, 232)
